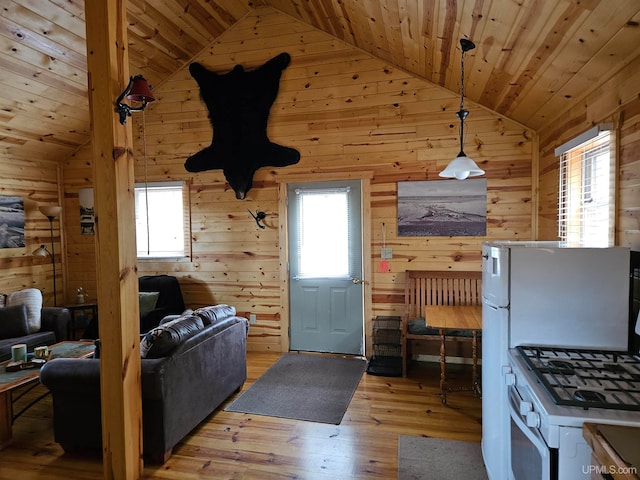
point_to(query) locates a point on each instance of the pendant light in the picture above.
(462, 166)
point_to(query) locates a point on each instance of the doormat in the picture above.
(314, 388)
(428, 458)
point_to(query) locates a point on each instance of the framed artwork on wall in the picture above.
(11, 222)
(87, 218)
(442, 208)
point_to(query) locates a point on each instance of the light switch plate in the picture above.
(386, 253)
(252, 319)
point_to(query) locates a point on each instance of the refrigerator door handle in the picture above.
(495, 308)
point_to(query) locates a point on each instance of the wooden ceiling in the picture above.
(534, 58)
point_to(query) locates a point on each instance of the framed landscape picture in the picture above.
(442, 208)
(11, 222)
(87, 218)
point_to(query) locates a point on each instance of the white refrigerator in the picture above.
(543, 294)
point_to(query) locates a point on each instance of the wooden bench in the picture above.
(427, 287)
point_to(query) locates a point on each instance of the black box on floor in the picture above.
(385, 366)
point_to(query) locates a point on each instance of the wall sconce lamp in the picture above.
(462, 166)
(138, 90)
(51, 212)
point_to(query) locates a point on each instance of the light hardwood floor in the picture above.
(239, 446)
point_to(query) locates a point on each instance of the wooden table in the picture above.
(75, 309)
(447, 318)
(9, 381)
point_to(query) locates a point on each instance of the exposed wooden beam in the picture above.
(113, 161)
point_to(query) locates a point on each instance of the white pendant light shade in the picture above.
(461, 167)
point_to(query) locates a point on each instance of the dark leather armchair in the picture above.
(170, 302)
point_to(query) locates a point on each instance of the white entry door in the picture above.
(325, 267)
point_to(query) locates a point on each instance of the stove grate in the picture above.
(586, 378)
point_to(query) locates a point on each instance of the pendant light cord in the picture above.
(462, 80)
(462, 113)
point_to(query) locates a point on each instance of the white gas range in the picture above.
(552, 392)
(556, 299)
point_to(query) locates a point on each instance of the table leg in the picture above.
(443, 369)
(5, 419)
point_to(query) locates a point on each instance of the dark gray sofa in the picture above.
(53, 329)
(179, 389)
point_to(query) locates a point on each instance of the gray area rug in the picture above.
(422, 458)
(303, 387)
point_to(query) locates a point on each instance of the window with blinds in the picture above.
(162, 220)
(587, 190)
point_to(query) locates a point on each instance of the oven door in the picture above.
(531, 458)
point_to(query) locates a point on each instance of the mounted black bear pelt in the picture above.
(238, 104)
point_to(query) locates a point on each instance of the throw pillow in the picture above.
(164, 338)
(32, 298)
(215, 313)
(13, 322)
(148, 301)
(3, 300)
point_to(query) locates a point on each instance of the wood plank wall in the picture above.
(37, 182)
(617, 102)
(346, 112)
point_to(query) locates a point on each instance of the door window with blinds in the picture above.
(162, 220)
(323, 233)
(586, 209)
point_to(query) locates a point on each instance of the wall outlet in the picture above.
(386, 253)
(252, 319)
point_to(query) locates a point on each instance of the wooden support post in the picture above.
(118, 310)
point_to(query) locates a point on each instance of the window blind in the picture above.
(586, 193)
(323, 233)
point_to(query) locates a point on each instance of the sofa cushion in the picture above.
(13, 321)
(215, 313)
(164, 338)
(169, 318)
(32, 298)
(39, 339)
(147, 301)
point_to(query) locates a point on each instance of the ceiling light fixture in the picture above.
(139, 91)
(462, 166)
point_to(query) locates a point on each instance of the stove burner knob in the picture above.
(525, 407)
(510, 379)
(533, 420)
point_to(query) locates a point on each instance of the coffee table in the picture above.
(9, 381)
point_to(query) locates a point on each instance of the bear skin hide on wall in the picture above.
(238, 104)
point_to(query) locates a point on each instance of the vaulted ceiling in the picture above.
(534, 58)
